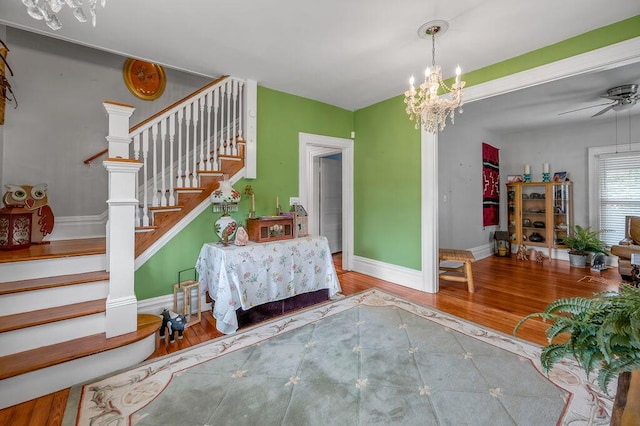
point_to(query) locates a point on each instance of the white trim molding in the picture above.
(310, 147)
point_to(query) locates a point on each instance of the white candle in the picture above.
(527, 169)
(458, 72)
(253, 202)
(545, 168)
(277, 201)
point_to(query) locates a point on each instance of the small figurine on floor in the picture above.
(540, 257)
(521, 254)
(172, 322)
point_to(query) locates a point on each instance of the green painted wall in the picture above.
(387, 154)
(387, 185)
(280, 118)
(387, 165)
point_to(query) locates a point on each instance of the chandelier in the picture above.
(47, 10)
(424, 105)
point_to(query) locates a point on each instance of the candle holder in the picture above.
(546, 177)
(252, 214)
(527, 177)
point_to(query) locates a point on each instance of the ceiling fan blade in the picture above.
(591, 106)
(604, 110)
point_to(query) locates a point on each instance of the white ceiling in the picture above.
(570, 100)
(348, 53)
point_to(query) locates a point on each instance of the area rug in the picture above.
(366, 359)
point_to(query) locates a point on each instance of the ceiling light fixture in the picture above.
(47, 10)
(424, 105)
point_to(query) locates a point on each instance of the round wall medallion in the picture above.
(144, 79)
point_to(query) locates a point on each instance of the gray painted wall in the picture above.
(564, 147)
(60, 120)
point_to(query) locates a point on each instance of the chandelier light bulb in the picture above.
(412, 81)
(424, 106)
(48, 10)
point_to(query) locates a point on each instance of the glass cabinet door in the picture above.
(512, 214)
(561, 212)
(534, 215)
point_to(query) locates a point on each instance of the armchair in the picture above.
(630, 245)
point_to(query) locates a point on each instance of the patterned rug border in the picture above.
(95, 401)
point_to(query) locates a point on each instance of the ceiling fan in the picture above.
(624, 97)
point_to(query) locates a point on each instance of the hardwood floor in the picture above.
(506, 290)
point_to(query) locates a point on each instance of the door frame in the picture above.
(310, 147)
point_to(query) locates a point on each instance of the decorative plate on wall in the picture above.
(144, 79)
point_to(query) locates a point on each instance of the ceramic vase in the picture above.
(225, 228)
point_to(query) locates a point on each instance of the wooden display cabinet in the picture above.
(539, 214)
(270, 228)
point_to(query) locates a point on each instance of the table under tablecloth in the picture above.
(258, 273)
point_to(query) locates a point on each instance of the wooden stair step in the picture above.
(56, 249)
(46, 316)
(51, 282)
(47, 356)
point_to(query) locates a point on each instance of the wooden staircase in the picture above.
(54, 297)
(165, 218)
(53, 302)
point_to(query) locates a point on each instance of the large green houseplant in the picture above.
(603, 332)
(581, 242)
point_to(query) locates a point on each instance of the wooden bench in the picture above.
(462, 273)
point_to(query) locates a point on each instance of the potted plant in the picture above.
(603, 334)
(581, 242)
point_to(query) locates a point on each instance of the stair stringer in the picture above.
(178, 227)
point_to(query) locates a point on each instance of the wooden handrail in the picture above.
(173, 105)
(94, 156)
(154, 116)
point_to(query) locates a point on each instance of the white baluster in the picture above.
(209, 102)
(180, 176)
(187, 125)
(145, 195)
(234, 134)
(136, 156)
(194, 174)
(172, 135)
(240, 109)
(163, 138)
(154, 161)
(216, 144)
(227, 148)
(203, 162)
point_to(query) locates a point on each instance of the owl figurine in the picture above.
(33, 198)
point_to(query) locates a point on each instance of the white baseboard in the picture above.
(400, 275)
(407, 277)
(77, 227)
(155, 305)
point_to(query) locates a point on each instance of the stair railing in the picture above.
(184, 139)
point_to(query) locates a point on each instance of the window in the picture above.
(616, 186)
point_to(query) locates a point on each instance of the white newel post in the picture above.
(122, 305)
(251, 131)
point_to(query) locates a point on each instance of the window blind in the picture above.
(619, 189)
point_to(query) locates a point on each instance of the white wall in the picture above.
(60, 120)
(460, 184)
(564, 147)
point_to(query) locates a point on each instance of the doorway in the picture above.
(328, 194)
(313, 148)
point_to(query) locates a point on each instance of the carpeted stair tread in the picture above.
(51, 282)
(45, 316)
(47, 356)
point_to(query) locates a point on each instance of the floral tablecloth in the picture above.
(247, 276)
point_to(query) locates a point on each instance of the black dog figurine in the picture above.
(172, 322)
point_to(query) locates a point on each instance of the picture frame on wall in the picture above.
(560, 177)
(514, 178)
